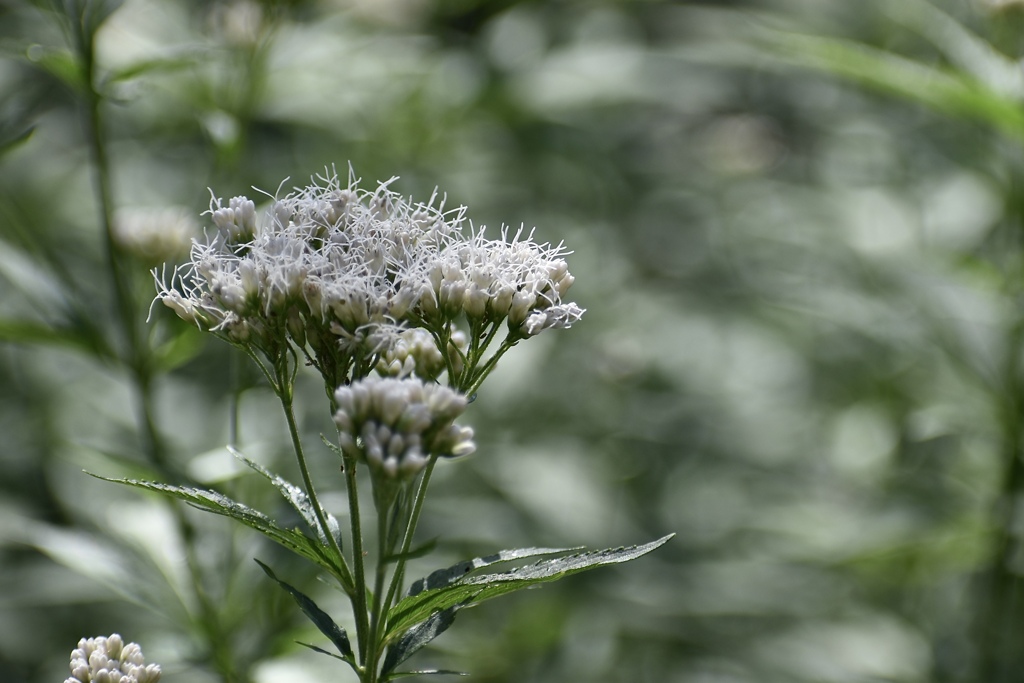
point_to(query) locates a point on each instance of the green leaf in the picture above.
(60, 63)
(179, 349)
(951, 92)
(320, 618)
(418, 636)
(322, 651)
(297, 498)
(218, 503)
(963, 48)
(332, 446)
(11, 138)
(449, 575)
(182, 60)
(472, 590)
(413, 553)
(29, 332)
(428, 672)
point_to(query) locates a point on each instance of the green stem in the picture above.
(344, 576)
(410, 530)
(359, 594)
(379, 608)
(507, 344)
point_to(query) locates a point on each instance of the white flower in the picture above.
(331, 263)
(109, 660)
(555, 317)
(395, 425)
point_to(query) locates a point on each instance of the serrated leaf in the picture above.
(476, 589)
(218, 503)
(320, 618)
(449, 575)
(419, 635)
(297, 498)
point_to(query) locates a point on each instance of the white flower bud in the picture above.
(400, 412)
(475, 302)
(183, 307)
(110, 660)
(522, 302)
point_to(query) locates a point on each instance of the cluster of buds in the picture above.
(109, 660)
(396, 425)
(338, 270)
(414, 352)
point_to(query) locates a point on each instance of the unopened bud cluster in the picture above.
(339, 270)
(110, 660)
(414, 352)
(395, 425)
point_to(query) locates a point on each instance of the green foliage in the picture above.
(298, 500)
(335, 633)
(218, 503)
(473, 590)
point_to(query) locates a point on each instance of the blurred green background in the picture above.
(798, 229)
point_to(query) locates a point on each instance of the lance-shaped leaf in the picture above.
(322, 651)
(320, 618)
(218, 503)
(476, 589)
(418, 636)
(297, 498)
(449, 575)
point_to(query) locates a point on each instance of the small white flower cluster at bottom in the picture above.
(109, 660)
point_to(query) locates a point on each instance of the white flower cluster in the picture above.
(155, 235)
(332, 263)
(395, 425)
(109, 660)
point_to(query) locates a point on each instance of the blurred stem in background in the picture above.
(83, 18)
(1000, 616)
